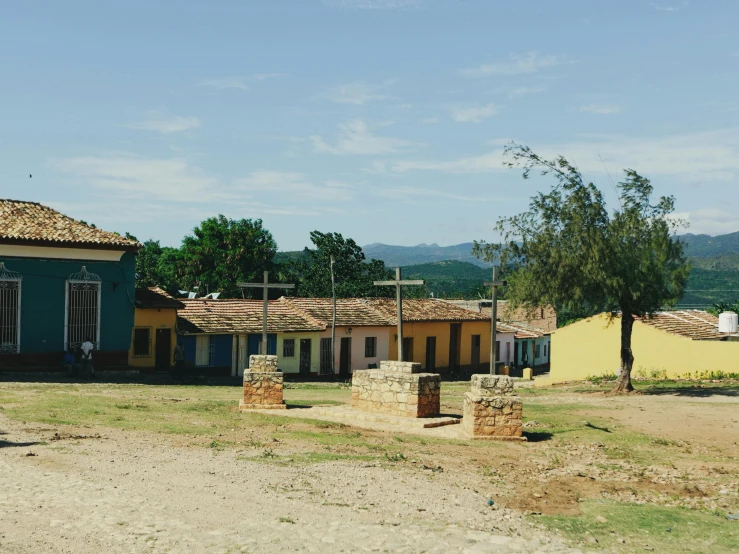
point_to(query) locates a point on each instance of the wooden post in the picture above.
(333, 320)
(265, 286)
(494, 318)
(398, 283)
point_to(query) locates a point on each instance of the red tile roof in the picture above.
(242, 316)
(693, 324)
(526, 325)
(352, 312)
(154, 297)
(423, 309)
(32, 223)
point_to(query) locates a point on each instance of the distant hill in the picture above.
(450, 278)
(403, 256)
(706, 246)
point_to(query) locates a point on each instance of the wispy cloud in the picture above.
(518, 64)
(668, 7)
(375, 4)
(355, 137)
(237, 82)
(294, 186)
(414, 193)
(171, 179)
(709, 221)
(357, 92)
(473, 114)
(430, 120)
(603, 109)
(523, 91)
(163, 124)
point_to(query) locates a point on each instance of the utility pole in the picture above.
(494, 318)
(333, 320)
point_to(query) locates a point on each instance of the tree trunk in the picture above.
(623, 383)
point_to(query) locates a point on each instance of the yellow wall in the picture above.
(292, 365)
(591, 347)
(154, 318)
(441, 330)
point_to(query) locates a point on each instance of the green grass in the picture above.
(305, 458)
(664, 529)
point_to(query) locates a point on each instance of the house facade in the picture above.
(154, 333)
(62, 282)
(671, 344)
(219, 336)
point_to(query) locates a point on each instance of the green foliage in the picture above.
(568, 251)
(452, 279)
(354, 276)
(222, 252)
(158, 266)
(720, 307)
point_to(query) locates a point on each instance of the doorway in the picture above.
(345, 356)
(430, 353)
(455, 336)
(163, 349)
(305, 356)
(408, 349)
(475, 362)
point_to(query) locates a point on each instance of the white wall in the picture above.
(506, 353)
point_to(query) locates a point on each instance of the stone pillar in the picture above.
(397, 388)
(262, 385)
(490, 410)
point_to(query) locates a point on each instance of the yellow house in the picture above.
(670, 344)
(442, 337)
(153, 336)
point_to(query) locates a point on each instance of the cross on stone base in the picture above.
(398, 283)
(265, 286)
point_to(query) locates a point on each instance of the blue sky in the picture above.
(380, 119)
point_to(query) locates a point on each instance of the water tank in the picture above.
(728, 322)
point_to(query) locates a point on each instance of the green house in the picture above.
(62, 282)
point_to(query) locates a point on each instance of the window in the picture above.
(537, 351)
(10, 311)
(497, 351)
(545, 350)
(142, 342)
(204, 351)
(370, 347)
(288, 348)
(325, 360)
(82, 317)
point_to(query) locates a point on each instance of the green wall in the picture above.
(42, 301)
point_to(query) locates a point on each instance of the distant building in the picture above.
(671, 344)
(153, 339)
(62, 282)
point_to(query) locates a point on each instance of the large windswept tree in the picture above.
(568, 250)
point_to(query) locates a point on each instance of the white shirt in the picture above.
(87, 347)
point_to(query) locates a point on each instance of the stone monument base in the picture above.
(397, 389)
(263, 387)
(490, 411)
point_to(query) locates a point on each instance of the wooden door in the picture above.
(430, 353)
(408, 349)
(475, 361)
(163, 349)
(345, 356)
(455, 336)
(305, 356)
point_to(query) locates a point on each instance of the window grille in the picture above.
(82, 317)
(288, 348)
(326, 356)
(370, 347)
(142, 342)
(10, 311)
(537, 350)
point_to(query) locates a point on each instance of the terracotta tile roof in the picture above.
(693, 324)
(29, 222)
(242, 316)
(527, 325)
(423, 309)
(354, 312)
(154, 297)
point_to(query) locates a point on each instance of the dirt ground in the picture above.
(129, 475)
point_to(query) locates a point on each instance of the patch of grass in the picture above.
(641, 526)
(396, 457)
(286, 520)
(316, 402)
(305, 458)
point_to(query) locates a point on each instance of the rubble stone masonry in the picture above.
(263, 383)
(491, 411)
(397, 388)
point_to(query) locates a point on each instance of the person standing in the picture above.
(68, 363)
(87, 348)
(179, 360)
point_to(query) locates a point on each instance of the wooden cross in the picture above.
(265, 286)
(494, 317)
(398, 283)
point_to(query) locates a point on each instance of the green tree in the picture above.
(158, 265)
(720, 307)
(354, 275)
(570, 252)
(222, 252)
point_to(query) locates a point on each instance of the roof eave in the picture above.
(69, 244)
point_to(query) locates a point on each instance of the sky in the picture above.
(383, 120)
